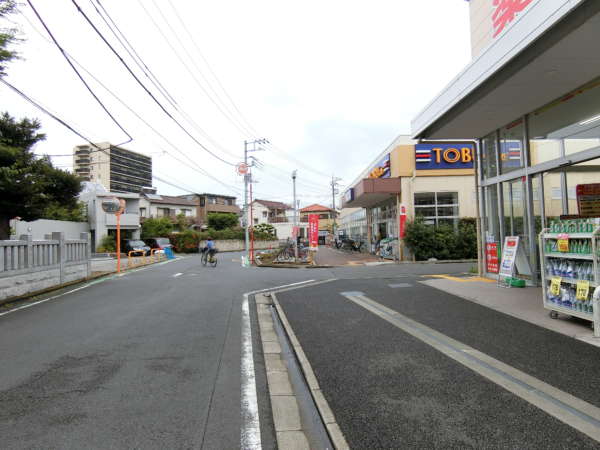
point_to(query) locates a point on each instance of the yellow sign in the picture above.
(555, 286)
(583, 290)
(563, 245)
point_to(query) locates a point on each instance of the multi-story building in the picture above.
(530, 98)
(278, 214)
(116, 168)
(209, 203)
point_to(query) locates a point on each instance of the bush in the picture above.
(161, 227)
(185, 242)
(265, 228)
(188, 241)
(222, 221)
(108, 244)
(442, 242)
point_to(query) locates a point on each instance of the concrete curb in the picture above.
(327, 416)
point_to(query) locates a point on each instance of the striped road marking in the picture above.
(571, 410)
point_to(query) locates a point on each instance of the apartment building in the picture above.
(116, 168)
(209, 203)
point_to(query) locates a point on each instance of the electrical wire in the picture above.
(63, 53)
(160, 105)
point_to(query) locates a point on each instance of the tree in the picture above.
(221, 221)
(55, 211)
(160, 227)
(7, 36)
(29, 184)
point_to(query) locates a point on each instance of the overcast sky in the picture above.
(329, 83)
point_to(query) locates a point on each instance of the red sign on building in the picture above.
(491, 257)
(313, 231)
(402, 230)
(505, 12)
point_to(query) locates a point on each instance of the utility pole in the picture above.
(334, 191)
(249, 147)
(295, 217)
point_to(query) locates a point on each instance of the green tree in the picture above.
(29, 184)
(265, 228)
(182, 222)
(7, 36)
(160, 227)
(221, 221)
(55, 211)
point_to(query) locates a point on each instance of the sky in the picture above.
(329, 83)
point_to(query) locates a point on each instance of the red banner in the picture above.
(491, 257)
(402, 229)
(313, 231)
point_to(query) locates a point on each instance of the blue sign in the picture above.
(381, 169)
(510, 153)
(349, 195)
(444, 156)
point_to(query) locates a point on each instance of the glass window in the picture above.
(488, 156)
(492, 219)
(583, 173)
(511, 146)
(568, 125)
(437, 207)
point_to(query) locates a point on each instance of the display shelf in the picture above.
(568, 285)
(573, 281)
(568, 311)
(571, 235)
(587, 256)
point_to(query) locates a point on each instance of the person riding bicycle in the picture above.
(210, 248)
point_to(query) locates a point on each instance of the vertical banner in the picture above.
(313, 231)
(402, 229)
(491, 257)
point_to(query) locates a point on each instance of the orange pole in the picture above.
(118, 242)
(251, 229)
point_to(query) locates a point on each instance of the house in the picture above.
(326, 219)
(209, 203)
(154, 205)
(278, 214)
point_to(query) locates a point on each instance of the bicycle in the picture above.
(209, 257)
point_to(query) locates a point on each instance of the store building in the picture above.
(116, 168)
(531, 99)
(408, 179)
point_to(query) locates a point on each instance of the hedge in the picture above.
(442, 241)
(188, 241)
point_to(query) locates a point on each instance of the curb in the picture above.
(327, 416)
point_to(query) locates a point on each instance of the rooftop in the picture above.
(315, 208)
(273, 205)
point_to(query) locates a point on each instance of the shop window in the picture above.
(437, 208)
(488, 156)
(511, 146)
(568, 125)
(582, 173)
(491, 217)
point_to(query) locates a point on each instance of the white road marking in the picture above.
(250, 431)
(178, 274)
(567, 408)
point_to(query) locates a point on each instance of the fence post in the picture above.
(61, 257)
(88, 251)
(28, 263)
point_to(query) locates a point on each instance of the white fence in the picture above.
(27, 265)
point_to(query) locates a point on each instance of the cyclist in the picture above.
(210, 248)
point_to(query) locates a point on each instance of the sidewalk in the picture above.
(109, 265)
(328, 256)
(522, 303)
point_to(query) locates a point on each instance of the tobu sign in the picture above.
(313, 231)
(444, 156)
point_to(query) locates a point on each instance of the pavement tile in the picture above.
(292, 440)
(271, 347)
(279, 383)
(285, 413)
(274, 363)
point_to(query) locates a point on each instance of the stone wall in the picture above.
(232, 245)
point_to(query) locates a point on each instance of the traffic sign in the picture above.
(241, 168)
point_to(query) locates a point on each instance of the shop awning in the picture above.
(371, 191)
(551, 50)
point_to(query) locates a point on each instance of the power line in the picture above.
(63, 53)
(91, 24)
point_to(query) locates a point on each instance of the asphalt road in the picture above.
(150, 359)
(389, 389)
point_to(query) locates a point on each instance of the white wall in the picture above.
(38, 228)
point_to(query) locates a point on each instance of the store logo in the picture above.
(505, 12)
(444, 156)
(382, 169)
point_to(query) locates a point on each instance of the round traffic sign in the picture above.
(242, 168)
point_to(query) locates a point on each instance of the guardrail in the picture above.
(135, 259)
